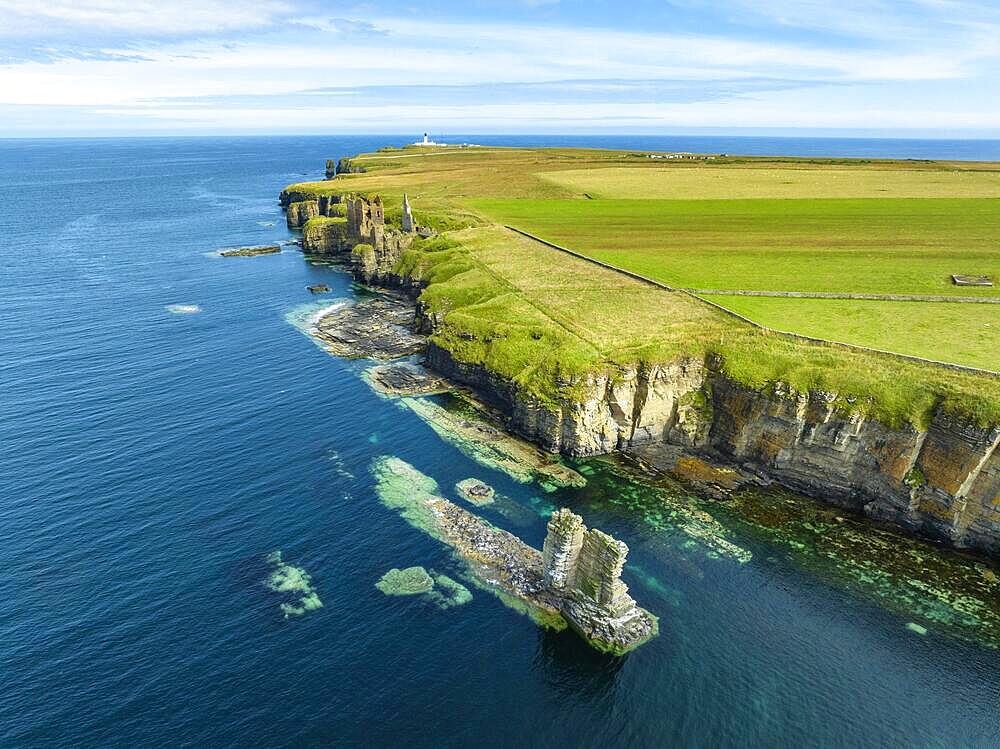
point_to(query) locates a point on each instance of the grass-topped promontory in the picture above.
(543, 318)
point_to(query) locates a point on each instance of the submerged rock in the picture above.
(472, 432)
(295, 583)
(319, 288)
(439, 589)
(452, 593)
(406, 582)
(270, 249)
(475, 491)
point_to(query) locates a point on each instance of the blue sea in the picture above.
(166, 427)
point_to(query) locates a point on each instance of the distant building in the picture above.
(428, 142)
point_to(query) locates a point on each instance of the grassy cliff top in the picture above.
(544, 318)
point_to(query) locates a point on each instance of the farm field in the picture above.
(537, 315)
(882, 246)
(914, 328)
(894, 246)
(792, 181)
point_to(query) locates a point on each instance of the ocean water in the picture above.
(166, 428)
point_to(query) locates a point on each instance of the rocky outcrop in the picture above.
(325, 236)
(338, 224)
(267, 249)
(346, 166)
(587, 593)
(378, 328)
(299, 212)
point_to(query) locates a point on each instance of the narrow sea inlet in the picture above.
(198, 549)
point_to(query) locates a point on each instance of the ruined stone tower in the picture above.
(408, 224)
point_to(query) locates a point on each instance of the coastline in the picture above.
(689, 416)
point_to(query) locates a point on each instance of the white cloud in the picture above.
(331, 52)
(23, 18)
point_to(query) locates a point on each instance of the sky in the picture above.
(903, 68)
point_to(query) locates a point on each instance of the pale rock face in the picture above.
(943, 482)
(584, 568)
(562, 549)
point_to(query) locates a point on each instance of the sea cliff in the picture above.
(940, 480)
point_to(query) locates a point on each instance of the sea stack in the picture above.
(584, 568)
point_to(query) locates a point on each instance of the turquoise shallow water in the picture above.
(165, 427)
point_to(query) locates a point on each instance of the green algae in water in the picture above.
(663, 508)
(441, 590)
(448, 592)
(940, 588)
(403, 488)
(461, 424)
(406, 582)
(295, 582)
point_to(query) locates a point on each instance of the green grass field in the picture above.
(914, 328)
(792, 181)
(541, 317)
(887, 246)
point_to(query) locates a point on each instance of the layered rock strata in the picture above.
(942, 482)
(377, 328)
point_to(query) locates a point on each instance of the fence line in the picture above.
(844, 295)
(784, 333)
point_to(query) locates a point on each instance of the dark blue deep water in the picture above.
(151, 459)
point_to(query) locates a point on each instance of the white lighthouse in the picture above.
(428, 142)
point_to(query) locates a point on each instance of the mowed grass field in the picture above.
(883, 246)
(969, 333)
(776, 181)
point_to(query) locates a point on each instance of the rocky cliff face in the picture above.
(583, 568)
(942, 482)
(346, 166)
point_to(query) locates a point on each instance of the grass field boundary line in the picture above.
(581, 256)
(846, 295)
(785, 334)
